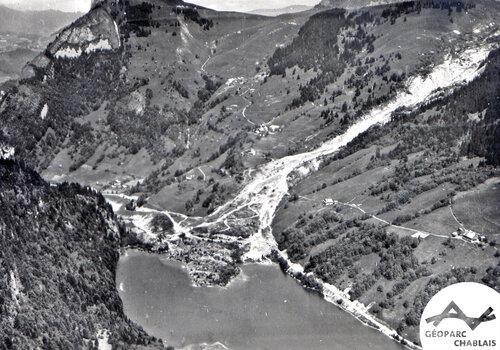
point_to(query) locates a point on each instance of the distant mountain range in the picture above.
(34, 22)
(354, 4)
(23, 34)
(281, 11)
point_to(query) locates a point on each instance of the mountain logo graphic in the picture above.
(453, 311)
(470, 312)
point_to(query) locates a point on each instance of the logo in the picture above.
(462, 316)
(453, 311)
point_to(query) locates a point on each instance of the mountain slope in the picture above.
(387, 233)
(59, 255)
(221, 98)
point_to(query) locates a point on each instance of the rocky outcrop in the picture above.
(96, 31)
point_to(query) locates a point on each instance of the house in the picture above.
(469, 235)
(6, 152)
(328, 201)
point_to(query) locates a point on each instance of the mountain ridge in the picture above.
(281, 11)
(41, 22)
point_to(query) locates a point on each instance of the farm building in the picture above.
(469, 235)
(328, 201)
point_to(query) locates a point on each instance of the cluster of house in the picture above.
(265, 130)
(117, 184)
(468, 235)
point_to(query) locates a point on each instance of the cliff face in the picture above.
(96, 31)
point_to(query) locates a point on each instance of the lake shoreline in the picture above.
(251, 285)
(266, 302)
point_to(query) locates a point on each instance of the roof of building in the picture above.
(470, 234)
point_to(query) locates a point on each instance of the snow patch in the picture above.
(68, 52)
(101, 45)
(72, 52)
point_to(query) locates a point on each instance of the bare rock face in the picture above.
(96, 31)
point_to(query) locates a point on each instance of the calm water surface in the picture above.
(264, 309)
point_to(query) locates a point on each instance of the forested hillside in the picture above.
(57, 267)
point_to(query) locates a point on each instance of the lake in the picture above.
(262, 309)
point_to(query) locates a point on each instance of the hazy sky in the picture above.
(84, 5)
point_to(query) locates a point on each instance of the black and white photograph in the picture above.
(250, 174)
